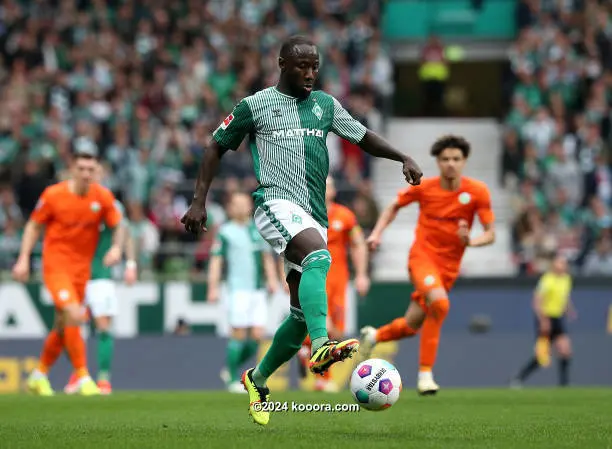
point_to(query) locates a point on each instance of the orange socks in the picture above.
(430, 334)
(395, 330)
(75, 346)
(52, 349)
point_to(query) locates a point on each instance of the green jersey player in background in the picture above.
(250, 270)
(287, 126)
(101, 297)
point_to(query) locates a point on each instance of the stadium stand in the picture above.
(557, 135)
(147, 84)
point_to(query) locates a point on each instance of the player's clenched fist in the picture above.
(195, 218)
(412, 171)
(373, 242)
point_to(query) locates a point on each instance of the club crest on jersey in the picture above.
(465, 198)
(316, 110)
(337, 225)
(227, 121)
(95, 206)
(296, 219)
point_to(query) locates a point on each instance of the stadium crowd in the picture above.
(146, 82)
(558, 133)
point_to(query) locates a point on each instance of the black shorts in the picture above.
(557, 327)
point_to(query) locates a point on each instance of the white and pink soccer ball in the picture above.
(376, 384)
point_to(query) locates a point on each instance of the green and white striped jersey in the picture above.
(287, 137)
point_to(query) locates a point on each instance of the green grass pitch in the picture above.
(456, 419)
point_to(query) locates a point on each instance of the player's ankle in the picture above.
(37, 373)
(318, 342)
(258, 378)
(425, 374)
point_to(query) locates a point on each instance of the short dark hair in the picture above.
(290, 43)
(88, 157)
(450, 141)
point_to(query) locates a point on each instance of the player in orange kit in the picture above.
(343, 232)
(71, 213)
(448, 205)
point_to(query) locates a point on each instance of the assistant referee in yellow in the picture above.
(552, 304)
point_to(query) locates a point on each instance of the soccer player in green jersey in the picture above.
(287, 126)
(101, 297)
(250, 270)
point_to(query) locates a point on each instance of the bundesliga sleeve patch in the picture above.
(227, 121)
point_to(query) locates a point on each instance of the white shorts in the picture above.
(278, 221)
(248, 308)
(101, 297)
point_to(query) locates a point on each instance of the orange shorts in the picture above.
(427, 274)
(336, 301)
(65, 290)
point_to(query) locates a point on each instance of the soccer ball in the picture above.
(376, 384)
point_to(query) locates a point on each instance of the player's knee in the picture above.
(59, 321)
(297, 314)
(415, 316)
(440, 307)
(317, 260)
(436, 294)
(73, 316)
(257, 333)
(564, 347)
(239, 333)
(103, 323)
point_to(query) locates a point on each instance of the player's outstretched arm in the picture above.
(385, 219)
(486, 238)
(359, 255)
(115, 252)
(215, 269)
(31, 233)
(195, 217)
(345, 126)
(486, 218)
(375, 145)
(131, 267)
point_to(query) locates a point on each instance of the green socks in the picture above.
(249, 350)
(286, 343)
(238, 352)
(105, 355)
(313, 295)
(311, 319)
(234, 357)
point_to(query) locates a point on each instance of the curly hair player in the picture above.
(448, 205)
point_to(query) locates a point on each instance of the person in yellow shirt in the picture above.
(552, 304)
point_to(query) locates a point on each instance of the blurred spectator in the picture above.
(599, 260)
(148, 84)
(558, 132)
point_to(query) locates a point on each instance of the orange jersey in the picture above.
(72, 228)
(341, 223)
(439, 215)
